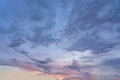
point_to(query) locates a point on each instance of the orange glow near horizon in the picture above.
(56, 76)
(35, 72)
(59, 77)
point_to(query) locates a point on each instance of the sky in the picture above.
(13, 73)
(60, 39)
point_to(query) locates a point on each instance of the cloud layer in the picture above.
(67, 39)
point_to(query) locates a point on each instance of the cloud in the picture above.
(16, 43)
(68, 39)
(114, 63)
(74, 66)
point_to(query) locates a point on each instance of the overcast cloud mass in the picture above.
(66, 39)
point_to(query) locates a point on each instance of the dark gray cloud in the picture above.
(47, 68)
(16, 43)
(43, 24)
(89, 24)
(113, 63)
(74, 66)
(48, 60)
